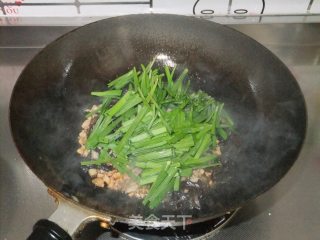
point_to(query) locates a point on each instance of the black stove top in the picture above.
(199, 231)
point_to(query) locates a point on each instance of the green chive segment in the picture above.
(149, 119)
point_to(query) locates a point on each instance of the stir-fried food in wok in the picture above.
(151, 132)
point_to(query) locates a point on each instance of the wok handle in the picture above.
(48, 230)
(69, 216)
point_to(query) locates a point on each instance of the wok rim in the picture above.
(155, 223)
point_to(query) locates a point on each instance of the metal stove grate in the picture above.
(198, 231)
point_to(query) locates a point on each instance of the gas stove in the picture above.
(198, 231)
(288, 211)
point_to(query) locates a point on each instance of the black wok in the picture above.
(48, 102)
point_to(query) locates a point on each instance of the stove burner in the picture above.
(197, 231)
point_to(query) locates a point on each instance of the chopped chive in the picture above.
(121, 81)
(108, 93)
(147, 180)
(203, 146)
(153, 142)
(96, 132)
(153, 132)
(156, 155)
(132, 102)
(163, 187)
(157, 200)
(222, 133)
(176, 186)
(150, 120)
(119, 105)
(186, 142)
(150, 172)
(186, 172)
(128, 134)
(149, 164)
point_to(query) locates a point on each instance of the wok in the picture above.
(48, 102)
